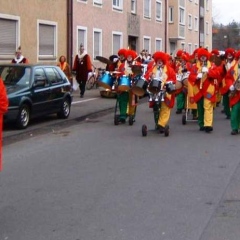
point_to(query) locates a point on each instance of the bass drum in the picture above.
(106, 81)
(185, 79)
(140, 86)
(124, 83)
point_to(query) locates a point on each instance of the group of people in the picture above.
(201, 80)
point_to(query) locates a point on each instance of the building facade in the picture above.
(39, 27)
(47, 29)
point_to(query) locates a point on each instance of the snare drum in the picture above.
(106, 81)
(155, 85)
(124, 83)
(140, 86)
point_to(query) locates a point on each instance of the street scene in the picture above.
(94, 180)
(119, 120)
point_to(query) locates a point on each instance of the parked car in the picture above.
(34, 91)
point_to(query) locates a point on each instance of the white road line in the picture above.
(85, 100)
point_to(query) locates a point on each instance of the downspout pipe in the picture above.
(69, 31)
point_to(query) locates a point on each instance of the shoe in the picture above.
(122, 120)
(234, 132)
(208, 129)
(201, 128)
(81, 96)
(179, 111)
(161, 129)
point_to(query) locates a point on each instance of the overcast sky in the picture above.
(225, 11)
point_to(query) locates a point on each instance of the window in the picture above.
(181, 15)
(117, 4)
(158, 44)
(97, 43)
(159, 10)
(207, 28)
(116, 42)
(189, 21)
(146, 44)
(147, 9)
(47, 32)
(82, 37)
(133, 6)
(53, 76)
(170, 14)
(9, 35)
(196, 24)
(190, 48)
(97, 2)
(183, 46)
(196, 2)
(207, 5)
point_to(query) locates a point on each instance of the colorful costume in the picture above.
(3, 109)
(82, 65)
(160, 69)
(202, 76)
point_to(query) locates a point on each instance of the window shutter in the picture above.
(8, 36)
(46, 40)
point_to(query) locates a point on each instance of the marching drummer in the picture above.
(161, 70)
(127, 100)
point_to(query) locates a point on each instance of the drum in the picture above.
(106, 81)
(124, 83)
(140, 86)
(155, 85)
(185, 79)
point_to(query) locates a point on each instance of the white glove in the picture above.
(179, 77)
(199, 75)
(115, 60)
(204, 69)
(232, 88)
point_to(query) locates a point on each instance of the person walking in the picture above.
(3, 109)
(203, 76)
(19, 58)
(82, 66)
(65, 67)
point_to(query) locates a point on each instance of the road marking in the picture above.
(85, 100)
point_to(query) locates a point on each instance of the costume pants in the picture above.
(226, 104)
(205, 112)
(132, 104)
(82, 85)
(235, 116)
(123, 98)
(181, 97)
(164, 115)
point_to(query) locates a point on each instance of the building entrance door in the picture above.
(132, 43)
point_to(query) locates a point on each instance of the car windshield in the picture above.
(15, 75)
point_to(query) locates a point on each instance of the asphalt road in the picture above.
(94, 180)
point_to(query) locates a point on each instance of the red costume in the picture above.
(3, 109)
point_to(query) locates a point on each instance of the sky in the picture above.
(225, 11)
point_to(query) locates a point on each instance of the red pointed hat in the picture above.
(131, 53)
(160, 56)
(203, 52)
(237, 55)
(122, 51)
(230, 51)
(215, 52)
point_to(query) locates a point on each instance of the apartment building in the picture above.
(189, 24)
(168, 25)
(46, 29)
(38, 26)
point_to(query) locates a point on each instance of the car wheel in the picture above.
(65, 109)
(23, 117)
